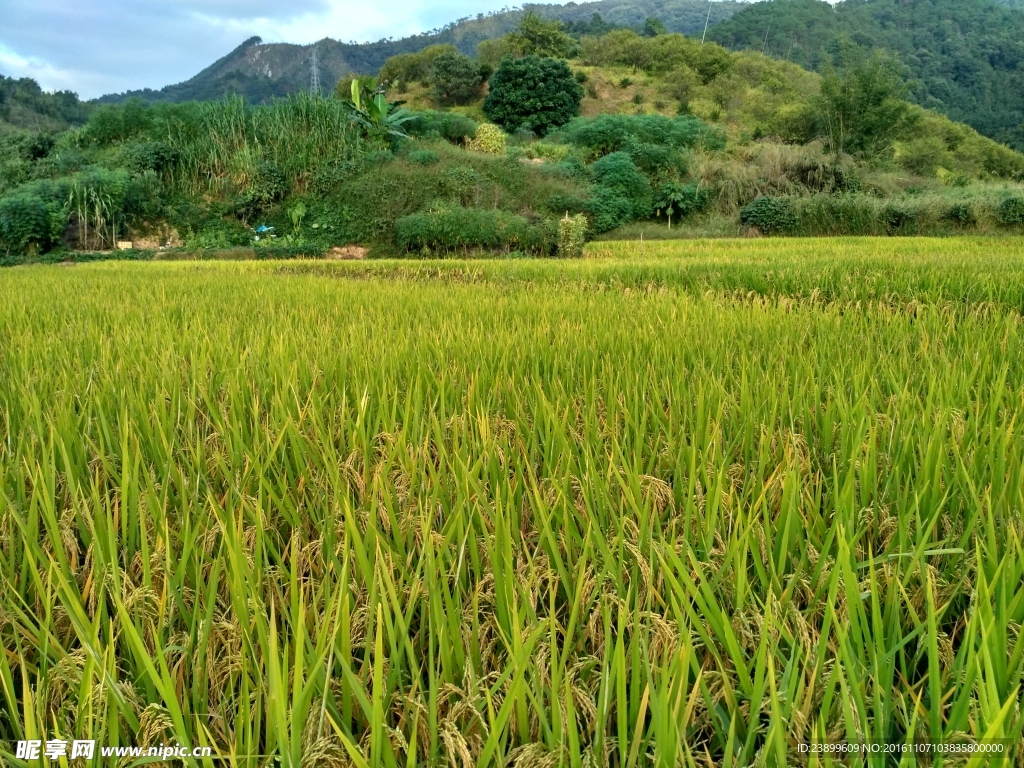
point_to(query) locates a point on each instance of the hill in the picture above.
(25, 107)
(965, 58)
(260, 71)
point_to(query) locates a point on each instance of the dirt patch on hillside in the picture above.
(346, 253)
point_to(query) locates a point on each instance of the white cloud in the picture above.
(103, 46)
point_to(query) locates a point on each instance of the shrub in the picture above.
(561, 204)
(961, 214)
(656, 159)
(267, 185)
(461, 183)
(771, 215)
(540, 94)
(898, 220)
(1011, 211)
(611, 133)
(618, 173)
(489, 138)
(220, 234)
(424, 157)
(572, 236)
(608, 210)
(450, 126)
(150, 156)
(29, 223)
(450, 230)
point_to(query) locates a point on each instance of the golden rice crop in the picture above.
(672, 505)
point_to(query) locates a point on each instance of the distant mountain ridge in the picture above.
(261, 71)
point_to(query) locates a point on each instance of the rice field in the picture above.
(675, 504)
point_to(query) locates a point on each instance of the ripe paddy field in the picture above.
(674, 504)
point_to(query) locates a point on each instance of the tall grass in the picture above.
(224, 142)
(563, 513)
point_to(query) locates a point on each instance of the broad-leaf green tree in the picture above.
(541, 37)
(454, 78)
(862, 102)
(533, 92)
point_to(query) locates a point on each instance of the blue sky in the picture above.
(95, 47)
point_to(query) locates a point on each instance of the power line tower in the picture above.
(314, 78)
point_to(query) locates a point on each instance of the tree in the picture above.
(535, 93)
(405, 68)
(654, 27)
(539, 37)
(862, 103)
(454, 77)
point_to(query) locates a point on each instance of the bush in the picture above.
(220, 234)
(562, 204)
(451, 230)
(540, 94)
(267, 186)
(771, 215)
(149, 156)
(572, 236)
(608, 210)
(1011, 211)
(450, 126)
(961, 214)
(656, 159)
(612, 133)
(424, 157)
(618, 173)
(489, 138)
(898, 221)
(461, 183)
(29, 223)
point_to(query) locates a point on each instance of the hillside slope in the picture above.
(25, 107)
(965, 57)
(261, 71)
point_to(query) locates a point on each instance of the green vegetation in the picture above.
(24, 106)
(670, 505)
(965, 57)
(666, 130)
(533, 94)
(455, 78)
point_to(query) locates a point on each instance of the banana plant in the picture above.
(380, 119)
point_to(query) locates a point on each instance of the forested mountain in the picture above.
(965, 58)
(261, 71)
(24, 105)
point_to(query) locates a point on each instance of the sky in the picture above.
(94, 47)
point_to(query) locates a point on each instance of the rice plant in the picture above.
(668, 505)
